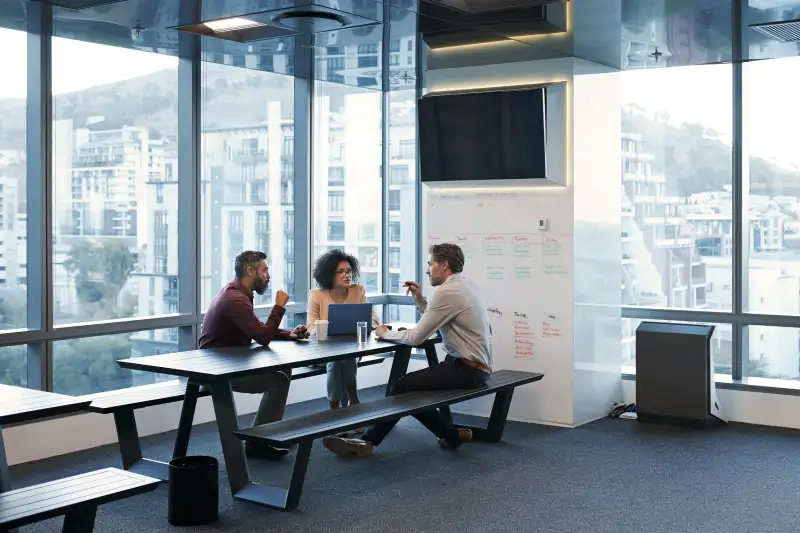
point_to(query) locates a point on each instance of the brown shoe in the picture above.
(464, 435)
(348, 447)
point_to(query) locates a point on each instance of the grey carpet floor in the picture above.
(611, 476)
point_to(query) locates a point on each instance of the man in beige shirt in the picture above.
(458, 312)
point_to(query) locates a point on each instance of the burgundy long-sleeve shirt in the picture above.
(231, 320)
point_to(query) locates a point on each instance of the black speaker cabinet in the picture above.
(675, 375)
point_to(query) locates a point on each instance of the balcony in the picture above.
(250, 156)
(171, 295)
(637, 176)
(677, 241)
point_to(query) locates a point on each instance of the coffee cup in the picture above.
(322, 330)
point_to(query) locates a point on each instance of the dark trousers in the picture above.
(449, 374)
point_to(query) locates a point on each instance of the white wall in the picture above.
(31, 442)
(585, 128)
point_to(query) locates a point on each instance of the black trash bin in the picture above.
(193, 490)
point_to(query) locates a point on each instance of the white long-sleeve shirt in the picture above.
(457, 310)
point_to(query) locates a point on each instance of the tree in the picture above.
(13, 365)
(89, 365)
(101, 269)
(13, 308)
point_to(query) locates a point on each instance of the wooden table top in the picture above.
(18, 404)
(211, 364)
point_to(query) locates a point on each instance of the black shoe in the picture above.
(264, 451)
(464, 435)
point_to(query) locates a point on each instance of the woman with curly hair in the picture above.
(336, 274)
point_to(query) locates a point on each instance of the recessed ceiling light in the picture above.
(231, 24)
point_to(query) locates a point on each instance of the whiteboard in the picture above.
(525, 276)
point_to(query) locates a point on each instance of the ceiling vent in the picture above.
(785, 31)
(302, 20)
(77, 5)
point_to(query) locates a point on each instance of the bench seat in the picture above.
(75, 497)
(326, 423)
(304, 430)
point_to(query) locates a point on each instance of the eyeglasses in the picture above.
(340, 271)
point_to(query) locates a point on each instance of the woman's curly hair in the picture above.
(325, 268)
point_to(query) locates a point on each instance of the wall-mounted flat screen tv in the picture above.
(486, 136)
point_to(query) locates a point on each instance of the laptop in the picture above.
(342, 318)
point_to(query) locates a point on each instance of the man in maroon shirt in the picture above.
(231, 321)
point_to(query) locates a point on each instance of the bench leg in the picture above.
(130, 448)
(298, 474)
(186, 420)
(80, 521)
(497, 419)
(128, 436)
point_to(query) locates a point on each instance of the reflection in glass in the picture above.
(115, 234)
(248, 175)
(347, 210)
(676, 188)
(13, 185)
(772, 189)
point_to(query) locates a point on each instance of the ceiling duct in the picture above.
(306, 19)
(77, 5)
(785, 31)
(446, 23)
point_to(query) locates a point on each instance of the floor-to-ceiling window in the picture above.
(677, 186)
(13, 209)
(346, 177)
(247, 183)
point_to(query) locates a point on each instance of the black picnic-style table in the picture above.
(215, 368)
(18, 404)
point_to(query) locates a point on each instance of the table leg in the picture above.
(186, 420)
(5, 480)
(399, 366)
(227, 424)
(236, 463)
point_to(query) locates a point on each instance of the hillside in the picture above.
(231, 97)
(694, 159)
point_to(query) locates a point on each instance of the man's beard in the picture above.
(261, 287)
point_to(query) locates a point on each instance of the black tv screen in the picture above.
(499, 135)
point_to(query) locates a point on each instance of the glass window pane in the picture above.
(773, 353)
(14, 365)
(721, 344)
(89, 365)
(347, 202)
(403, 254)
(115, 219)
(247, 176)
(676, 187)
(13, 183)
(772, 189)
